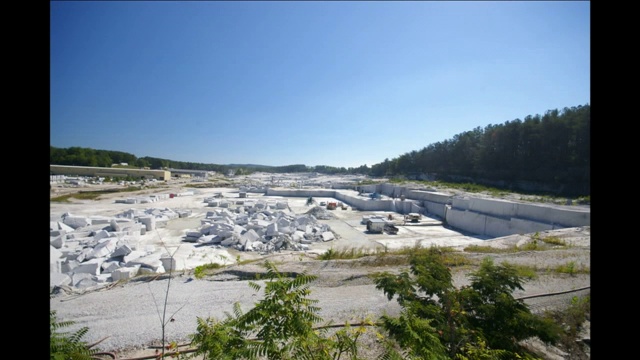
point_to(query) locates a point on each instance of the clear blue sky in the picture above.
(306, 82)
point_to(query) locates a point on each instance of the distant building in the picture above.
(109, 172)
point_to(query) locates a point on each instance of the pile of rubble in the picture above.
(321, 212)
(88, 251)
(263, 231)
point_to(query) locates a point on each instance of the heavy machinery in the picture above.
(332, 205)
(413, 217)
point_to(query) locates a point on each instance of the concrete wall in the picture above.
(480, 216)
(467, 221)
(558, 217)
(493, 207)
(437, 209)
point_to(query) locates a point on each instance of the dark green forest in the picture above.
(547, 153)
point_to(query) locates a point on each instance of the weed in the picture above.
(201, 270)
(523, 271)
(571, 268)
(530, 246)
(489, 249)
(572, 317)
(92, 195)
(553, 240)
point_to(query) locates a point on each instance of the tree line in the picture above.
(547, 153)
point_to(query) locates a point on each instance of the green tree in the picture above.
(279, 327)
(492, 309)
(482, 319)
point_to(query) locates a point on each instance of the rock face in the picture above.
(109, 249)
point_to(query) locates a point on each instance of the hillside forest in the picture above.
(547, 153)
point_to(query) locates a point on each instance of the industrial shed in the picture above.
(109, 172)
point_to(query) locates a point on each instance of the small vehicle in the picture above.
(413, 217)
(376, 225)
(391, 229)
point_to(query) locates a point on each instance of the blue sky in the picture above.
(306, 82)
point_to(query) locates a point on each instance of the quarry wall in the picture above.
(480, 216)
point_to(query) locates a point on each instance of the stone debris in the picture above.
(320, 212)
(91, 251)
(259, 229)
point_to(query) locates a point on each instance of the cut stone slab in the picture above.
(59, 279)
(327, 236)
(125, 273)
(91, 267)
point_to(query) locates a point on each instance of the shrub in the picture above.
(67, 345)
(483, 316)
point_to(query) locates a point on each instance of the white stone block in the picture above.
(125, 273)
(59, 279)
(91, 267)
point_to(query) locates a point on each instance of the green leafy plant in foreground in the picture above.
(67, 345)
(437, 321)
(482, 315)
(279, 327)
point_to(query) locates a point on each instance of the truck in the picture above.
(376, 225)
(332, 205)
(413, 217)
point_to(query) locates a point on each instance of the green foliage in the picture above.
(92, 195)
(281, 325)
(572, 319)
(552, 150)
(501, 318)
(549, 240)
(283, 319)
(571, 268)
(578, 311)
(478, 350)
(524, 271)
(382, 256)
(67, 345)
(481, 320)
(330, 254)
(345, 254)
(537, 243)
(220, 339)
(201, 270)
(554, 240)
(490, 249)
(584, 200)
(414, 335)
(206, 185)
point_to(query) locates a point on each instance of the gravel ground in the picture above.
(126, 317)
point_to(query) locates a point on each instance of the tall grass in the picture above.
(383, 256)
(92, 195)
